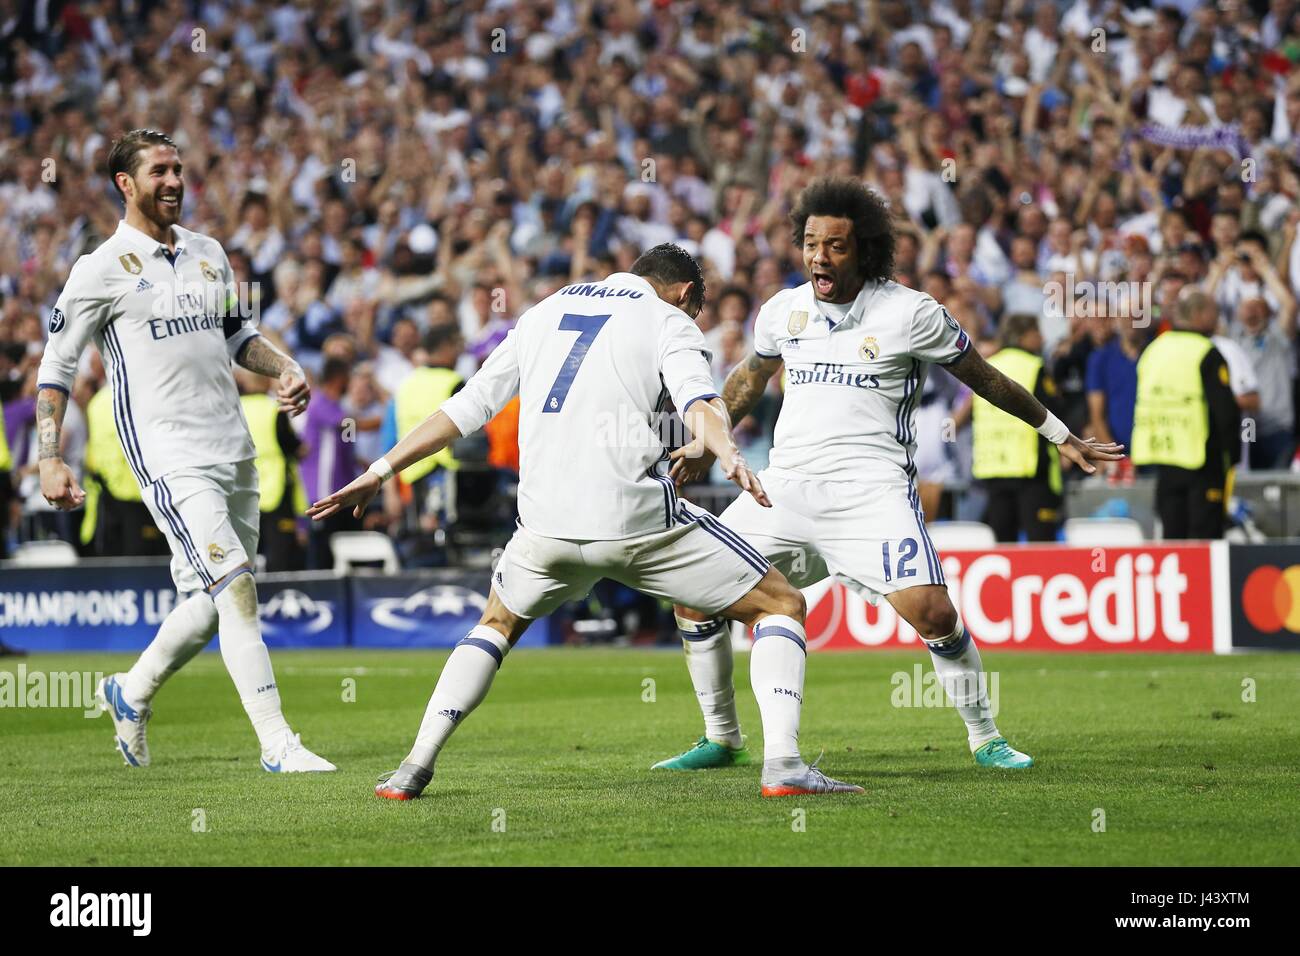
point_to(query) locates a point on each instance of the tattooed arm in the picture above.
(741, 392)
(58, 483)
(996, 389)
(1014, 399)
(259, 355)
(746, 384)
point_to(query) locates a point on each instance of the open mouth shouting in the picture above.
(823, 283)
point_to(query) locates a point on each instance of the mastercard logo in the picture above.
(1271, 598)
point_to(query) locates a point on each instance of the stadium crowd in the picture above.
(395, 182)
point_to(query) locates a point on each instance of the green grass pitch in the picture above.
(1184, 770)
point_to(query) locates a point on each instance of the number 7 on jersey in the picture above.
(587, 327)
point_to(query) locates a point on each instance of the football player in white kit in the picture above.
(593, 365)
(856, 348)
(156, 300)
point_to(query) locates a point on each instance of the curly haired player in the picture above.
(856, 348)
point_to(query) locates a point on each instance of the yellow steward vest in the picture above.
(1004, 446)
(6, 457)
(104, 455)
(1171, 423)
(418, 397)
(260, 412)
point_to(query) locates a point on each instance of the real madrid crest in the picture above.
(209, 273)
(798, 322)
(869, 350)
(131, 263)
(216, 554)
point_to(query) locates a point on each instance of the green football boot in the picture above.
(706, 755)
(998, 753)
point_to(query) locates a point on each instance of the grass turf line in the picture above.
(1185, 771)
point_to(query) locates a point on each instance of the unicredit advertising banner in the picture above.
(1049, 597)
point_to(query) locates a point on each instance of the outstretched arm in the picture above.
(259, 355)
(58, 483)
(427, 438)
(1014, 399)
(709, 423)
(483, 396)
(740, 393)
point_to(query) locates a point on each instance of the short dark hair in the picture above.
(1015, 327)
(873, 227)
(669, 263)
(334, 369)
(737, 290)
(440, 335)
(124, 157)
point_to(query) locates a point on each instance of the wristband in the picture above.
(381, 469)
(1054, 430)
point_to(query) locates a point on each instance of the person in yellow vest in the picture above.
(117, 522)
(1187, 422)
(283, 497)
(421, 393)
(1020, 469)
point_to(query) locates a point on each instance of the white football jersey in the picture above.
(157, 322)
(594, 365)
(852, 386)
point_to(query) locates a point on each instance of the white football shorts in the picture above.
(869, 535)
(699, 563)
(210, 517)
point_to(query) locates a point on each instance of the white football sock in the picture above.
(709, 661)
(184, 632)
(957, 662)
(462, 685)
(776, 667)
(248, 660)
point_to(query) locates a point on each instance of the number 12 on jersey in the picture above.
(907, 549)
(587, 327)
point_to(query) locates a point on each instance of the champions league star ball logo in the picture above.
(57, 320)
(418, 610)
(293, 610)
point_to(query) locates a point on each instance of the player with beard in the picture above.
(856, 348)
(158, 302)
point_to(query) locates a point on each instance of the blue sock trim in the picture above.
(948, 647)
(484, 645)
(703, 630)
(218, 588)
(775, 630)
